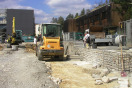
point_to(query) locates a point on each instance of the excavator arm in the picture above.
(13, 26)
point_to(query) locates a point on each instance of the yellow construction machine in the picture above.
(15, 38)
(51, 44)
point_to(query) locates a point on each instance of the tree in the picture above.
(54, 20)
(88, 11)
(70, 16)
(76, 16)
(101, 3)
(60, 20)
(82, 12)
(125, 8)
(106, 1)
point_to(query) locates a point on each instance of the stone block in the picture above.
(105, 79)
(98, 82)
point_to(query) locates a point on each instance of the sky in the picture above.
(45, 10)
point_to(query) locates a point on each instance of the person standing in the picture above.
(87, 40)
(35, 40)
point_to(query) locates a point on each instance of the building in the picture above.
(70, 26)
(37, 30)
(24, 20)
(101, 17)
(104, 16)
(3, 23)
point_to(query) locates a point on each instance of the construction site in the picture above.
(48, 55)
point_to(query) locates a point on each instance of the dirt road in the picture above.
(20, 69)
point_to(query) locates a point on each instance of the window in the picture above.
(104, 15)
(97, 17)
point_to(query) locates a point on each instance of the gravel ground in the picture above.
(20, 69)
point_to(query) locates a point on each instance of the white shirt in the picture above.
(35, 40)
(86, 36)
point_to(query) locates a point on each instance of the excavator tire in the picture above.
(61, 57)
(40, 57)
(38, 53)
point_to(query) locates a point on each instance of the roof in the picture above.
(51, 23)
(96, 10)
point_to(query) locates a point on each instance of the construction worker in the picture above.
(35, 40)
(87, 40)
(9, 38)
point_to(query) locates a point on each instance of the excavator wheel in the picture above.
(61, 57)
(38, 53)
(40, 57)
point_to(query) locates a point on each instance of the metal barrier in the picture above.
(69, 36)
(126, 30)
(72, 36)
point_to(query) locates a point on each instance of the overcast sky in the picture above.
(46, 9)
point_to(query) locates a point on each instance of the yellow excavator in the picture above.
(51, 44)
(12, 39)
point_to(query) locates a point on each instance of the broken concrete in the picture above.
(113, 78)
(123, 82)
(98, 82)
(105, 79)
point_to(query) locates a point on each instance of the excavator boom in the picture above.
(13, 26)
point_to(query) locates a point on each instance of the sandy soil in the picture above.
(74, 76)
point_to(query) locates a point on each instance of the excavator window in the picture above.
(51, 30)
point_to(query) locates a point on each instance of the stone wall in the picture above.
(110, 59)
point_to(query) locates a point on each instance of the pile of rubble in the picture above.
(1, 47)
(123, 82)
(30, 48)
(110, 59)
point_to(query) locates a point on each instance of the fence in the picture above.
(2, 37)
(72, 36)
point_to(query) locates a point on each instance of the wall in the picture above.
(37, 30)
(24, 20)
(70, 25)
(110, 59)
(115, 16)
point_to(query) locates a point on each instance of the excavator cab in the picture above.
(51, 30)
(51, 42)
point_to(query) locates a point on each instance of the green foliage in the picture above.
(125, 10)
(82, 12)
(54, 20)
(60, 20)
(76, 16)
(88, 11)
(70, 16)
